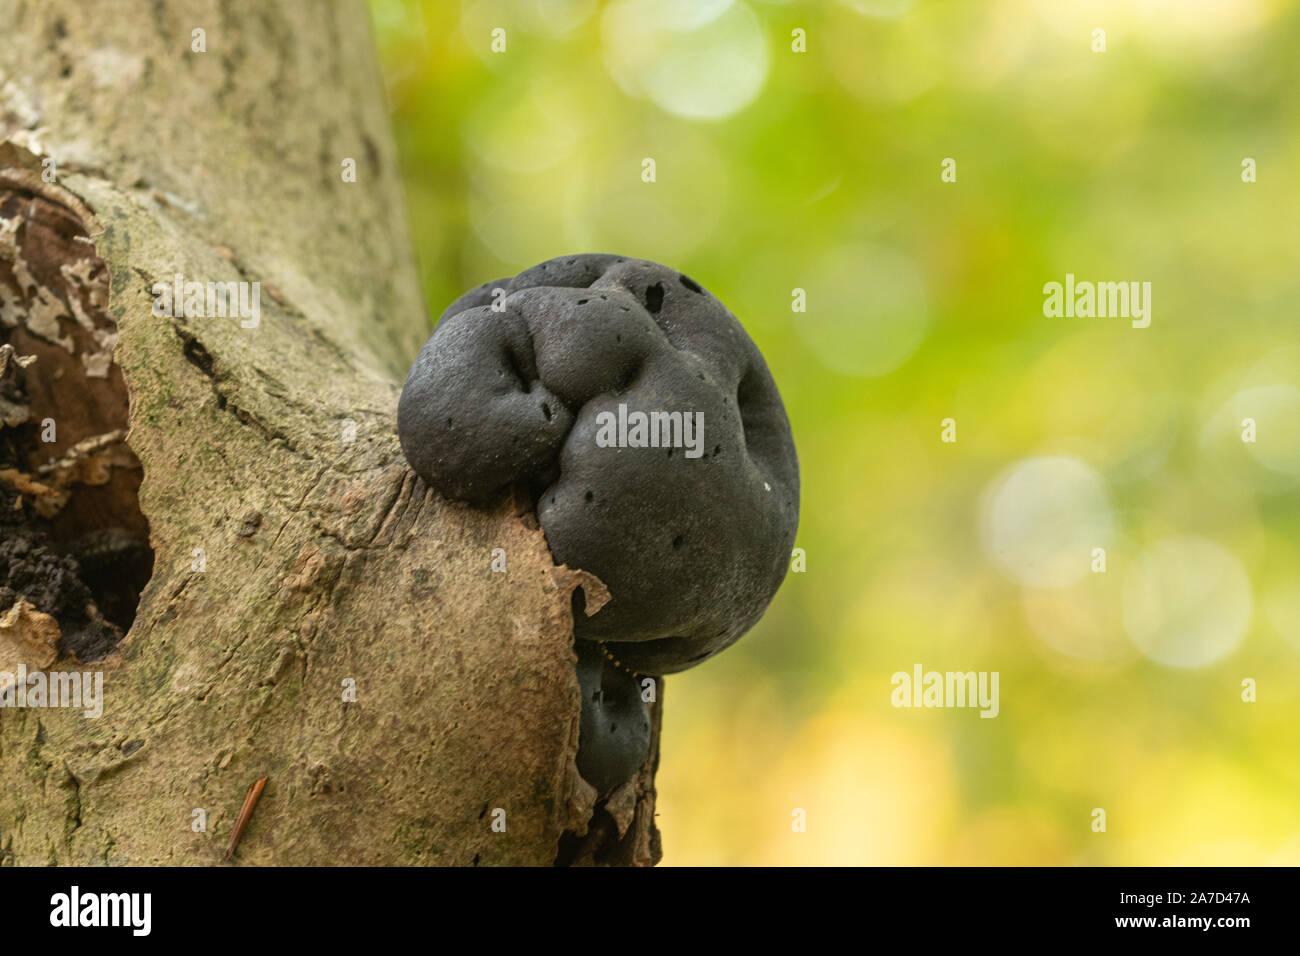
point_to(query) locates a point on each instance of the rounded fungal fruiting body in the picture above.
(649, 428)
(614, 730)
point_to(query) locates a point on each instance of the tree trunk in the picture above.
(294, 555)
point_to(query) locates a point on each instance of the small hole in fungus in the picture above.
(717, 450)
(670, 453)
(677, 542)
(654, 297)
(546, 410)
(590, 496)
(690, 284)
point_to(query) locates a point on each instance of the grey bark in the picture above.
(324, 560)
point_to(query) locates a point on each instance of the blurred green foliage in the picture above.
(778, 170)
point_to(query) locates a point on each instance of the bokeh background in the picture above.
(820, 171)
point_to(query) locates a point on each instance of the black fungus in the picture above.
(692, 546)
(614, 734)
(521, 382)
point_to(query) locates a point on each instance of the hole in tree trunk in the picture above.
(74, 544)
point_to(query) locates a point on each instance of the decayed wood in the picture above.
(296, 557)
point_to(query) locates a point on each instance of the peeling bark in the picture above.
(294, 553)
